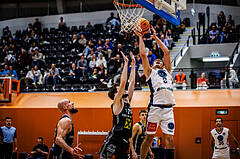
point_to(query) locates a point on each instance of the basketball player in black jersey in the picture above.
(117, 141)
(64, 134)
(138, 135)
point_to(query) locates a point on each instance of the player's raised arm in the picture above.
(117, 103)
(167, 58)
(146, 67)
(132, 78)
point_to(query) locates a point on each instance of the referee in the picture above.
(8, 136)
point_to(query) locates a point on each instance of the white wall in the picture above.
(101, 17)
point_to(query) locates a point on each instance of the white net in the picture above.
(130, 15)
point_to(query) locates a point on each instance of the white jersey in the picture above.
(221, 145)
(161, 87)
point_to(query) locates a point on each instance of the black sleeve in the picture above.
(35, 147)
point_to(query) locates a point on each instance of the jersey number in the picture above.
(164, 79)
(128, 124)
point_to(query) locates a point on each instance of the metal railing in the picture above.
(180, 51)
(233, 54)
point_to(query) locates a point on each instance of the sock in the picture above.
(169, 153)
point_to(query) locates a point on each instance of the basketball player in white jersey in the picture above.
(160, 111)
(219, 140)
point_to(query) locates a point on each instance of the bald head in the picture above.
(62, 103)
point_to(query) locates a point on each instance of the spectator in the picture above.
(62, 24)
(101, 60)
(147, 40)
(27, 41)
(117, 51)
(13, 73)
(92, 63)
(94, 76)
(86, 51)
(34, 36)
(232, 37)
(33, 47)
(135, 49)
(23, 59)
(29, 29)
(8, 136)
(202, 82)
(82, 65)
(6, 33)
(116, 78)
(73, 75)
(46, 73)
(107, 48)
(164, 41)
(10, 57)
(156, 51)
(38, 58)
(89, 27)
(97, 46)
(151, 57)
(229, 22)
(37, 26)
(110, 18)
(213, 35)
(28, 79)
(138, 60)
(53, 76)
(37, 76)
(6, 71)
(73, 45)
(89, 56)
(82, 42)
(99, 52)
(40, 151)
(140, 74)
(224, 35)
(221, 19)
(180, 80)
(230, 79)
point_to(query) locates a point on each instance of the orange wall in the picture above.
(39, 118)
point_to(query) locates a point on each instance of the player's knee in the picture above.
(149, 139)
(170, 140)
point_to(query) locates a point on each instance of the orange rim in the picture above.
(127, 5)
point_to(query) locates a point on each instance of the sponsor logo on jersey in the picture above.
(128, 123)
(151, 126)
(220, 138)
(224, 133)
(162, 73)
(111, 148)
(170, 126)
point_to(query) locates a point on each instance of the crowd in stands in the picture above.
(86, 54)
(224, 30)
(73, 55)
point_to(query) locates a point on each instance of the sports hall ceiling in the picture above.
(26, 8)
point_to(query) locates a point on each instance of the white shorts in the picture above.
(162, 116)
(221, 154)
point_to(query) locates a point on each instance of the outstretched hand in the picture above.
(138, 33)
(76, 152)
(153, 33)
(124, 57)
(132, 58)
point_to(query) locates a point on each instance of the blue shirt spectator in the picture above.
(151, 57)
(5, 71)
(82, 65)
(107, 45)
(165, 41)
(13, 73)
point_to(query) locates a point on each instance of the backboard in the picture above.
(167, 9)
(5, 89)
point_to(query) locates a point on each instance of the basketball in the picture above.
(144, 24)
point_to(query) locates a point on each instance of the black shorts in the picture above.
(113, 146)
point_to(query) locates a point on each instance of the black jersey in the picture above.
(57, 150)
(138, 138)
(122, 123)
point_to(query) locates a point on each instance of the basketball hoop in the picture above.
(130, 15)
